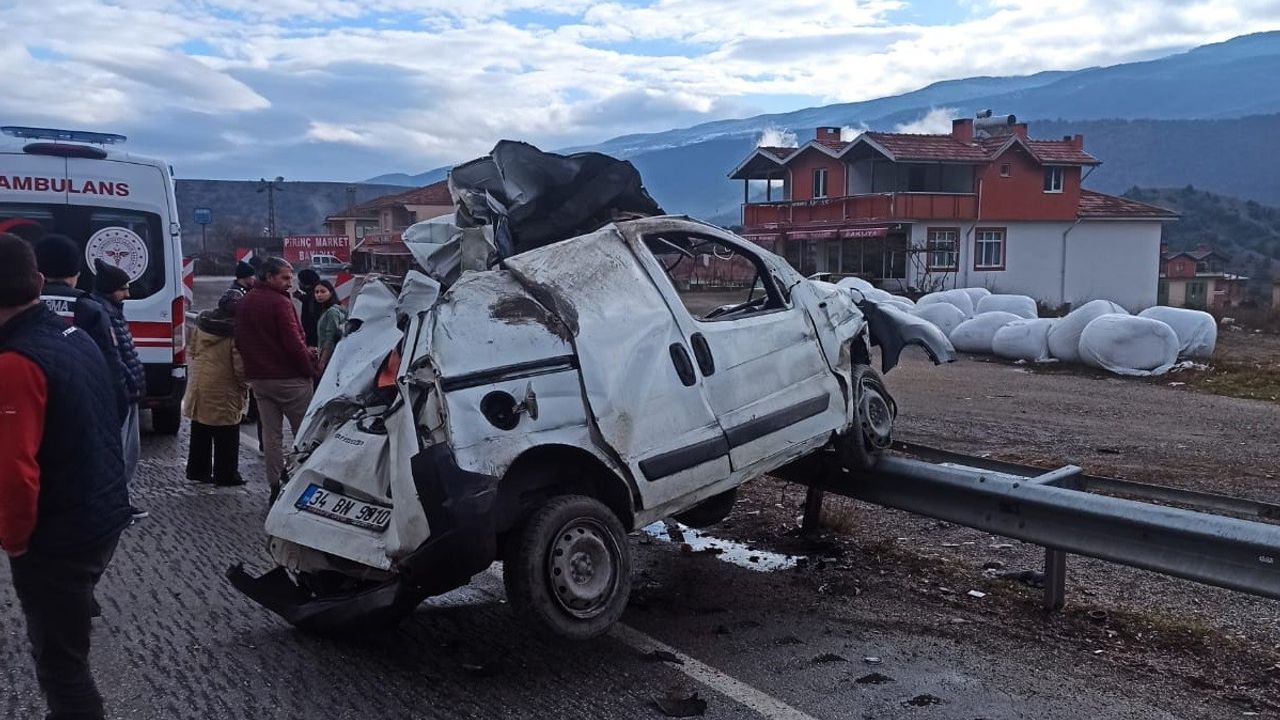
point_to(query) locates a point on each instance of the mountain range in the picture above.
(1209, 116)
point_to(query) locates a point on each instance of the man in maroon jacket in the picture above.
(277, 363)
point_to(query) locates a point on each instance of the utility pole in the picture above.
(271, 187)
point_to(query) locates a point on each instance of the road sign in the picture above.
(203, 216)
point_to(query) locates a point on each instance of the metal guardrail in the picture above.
(1061, 511)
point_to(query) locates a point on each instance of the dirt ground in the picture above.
(1222, 645)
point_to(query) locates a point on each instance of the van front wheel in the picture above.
(570, 569)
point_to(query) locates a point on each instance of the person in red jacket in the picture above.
(277, 363)
(63, 497)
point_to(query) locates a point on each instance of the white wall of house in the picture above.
(1116, 260)
(1108, 259)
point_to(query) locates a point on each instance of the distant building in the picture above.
(1275, 295)
(376, 225)
(1199, 279)
(985, 205)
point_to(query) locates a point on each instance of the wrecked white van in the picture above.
(537, 412)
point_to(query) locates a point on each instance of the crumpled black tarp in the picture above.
(534, 198)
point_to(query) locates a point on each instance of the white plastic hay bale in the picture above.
(1024, 340)
(903, 304)
(975, 335)
(855, 283)
(1196, 330)
(944, 315)
(958, 298)
(877, 295)
(975, 295)
(1064, 336)
(1129, 345)
(1019, 305)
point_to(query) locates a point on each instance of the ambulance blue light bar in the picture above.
(81, 136)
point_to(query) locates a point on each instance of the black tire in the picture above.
(872, 434)
(709, 511)
(570, 535)
(166, 420)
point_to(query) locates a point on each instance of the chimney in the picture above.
(962, 129)
(1020, 129)
(1077, 142)
(828, 135)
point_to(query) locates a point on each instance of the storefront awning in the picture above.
(864, 232)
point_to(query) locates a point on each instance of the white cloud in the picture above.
(345, 89)
(936, 121)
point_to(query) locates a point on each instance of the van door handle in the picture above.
(684, 366)
(702, 351)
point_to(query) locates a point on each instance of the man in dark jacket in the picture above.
(277, 363)
(111, 287)
(58, 258)
(63, 498)
(239, 288)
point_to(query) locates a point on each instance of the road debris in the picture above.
(976, 594)
(681, 702)
(664, 656)
(924, 700)
(872, 660)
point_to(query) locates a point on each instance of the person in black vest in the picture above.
(58, 258)
(111, 288)
(239, 288)
(63, 497)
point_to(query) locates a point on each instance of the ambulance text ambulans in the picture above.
(121, 209)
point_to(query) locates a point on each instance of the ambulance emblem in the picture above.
(118, 246)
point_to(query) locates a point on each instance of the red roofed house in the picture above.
(376, 226)
(1199, 279)
(985, 205)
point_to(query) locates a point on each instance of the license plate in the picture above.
(337, 506)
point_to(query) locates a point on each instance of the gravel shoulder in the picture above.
(1221, 647)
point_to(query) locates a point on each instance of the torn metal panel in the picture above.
(444, 251)
(893, 330)
(354, 365)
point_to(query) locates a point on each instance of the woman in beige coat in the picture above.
(216, 398)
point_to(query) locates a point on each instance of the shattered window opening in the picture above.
(708, 273)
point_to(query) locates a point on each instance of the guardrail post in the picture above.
(1055, 579)
(812, 508)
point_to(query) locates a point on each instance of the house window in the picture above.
(988, 249)
(820, 183)
(943, 249)
(1006, 170)
(1053, 179)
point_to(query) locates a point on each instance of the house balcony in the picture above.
(895, 207)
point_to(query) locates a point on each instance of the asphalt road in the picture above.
(177, 641)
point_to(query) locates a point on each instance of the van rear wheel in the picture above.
(570, 569)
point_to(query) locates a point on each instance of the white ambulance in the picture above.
(121, 209)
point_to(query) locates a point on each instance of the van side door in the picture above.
(767, 379)
(639, 376)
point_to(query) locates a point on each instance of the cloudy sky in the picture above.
(348, 89)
